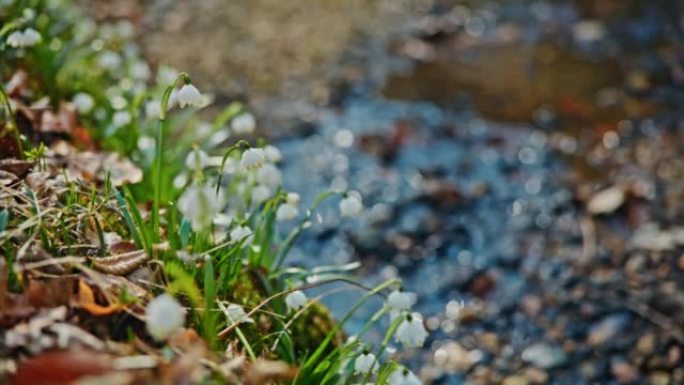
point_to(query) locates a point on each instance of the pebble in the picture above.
(545, 355)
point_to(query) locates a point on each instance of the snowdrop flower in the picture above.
(260, 194)
(242, 233)
(140, 70)
(252, 158)
(411, 332)
(109, 60)
(153, 108)
(295, 300)
(351, 205)
(400, 300)
(234, 313)
(190, 96)
(365, 363)
(164, 315)
(272, 154)
(146, 143)
(196, 160)
(243, 124)
(28, 38)
(83, 102)
(199, 204)
(403, 376)
(292, 198)
(269, 175)
(287, 212)
(121, 118)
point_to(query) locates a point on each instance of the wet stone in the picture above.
(545, 355)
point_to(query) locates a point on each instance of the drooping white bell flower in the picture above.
(196, 160)
(260, 194)
(403, 376)
(109, 60)
(269, 175)
(189, 96)
(286, 212)
(163, 316)
(365, 363)
(252, 158)
(351, 205)
(140, 70)
(400, 300)
(20, 39)
(152, 109)
(243, 124)
(15, 39)
(295, 300)
(234, 313)
(83, 102)
(31, 37)
(242, 233)
(199, 204)
(292, 198)
(272, 154)
(121, 118)
(411, 331)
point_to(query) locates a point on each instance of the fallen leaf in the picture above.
(86, 301)
(60, 368)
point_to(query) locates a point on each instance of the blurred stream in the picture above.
(477, 134)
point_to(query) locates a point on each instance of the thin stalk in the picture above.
(159, 154)
(12, 123)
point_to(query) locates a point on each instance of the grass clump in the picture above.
(126, 217)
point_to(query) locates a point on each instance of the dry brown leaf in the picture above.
(86, 301)
(263, 372)
(60, 368)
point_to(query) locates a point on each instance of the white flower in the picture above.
(83, 102)
(400, 300)
(292, 198)
(243, 124)
(286, 212)
(252, 158)
(269, 175)
(28, 38)
(173, 100)
(411, 331)
(15, 39)
(190, 96)
(295, 300)
(199, 204)
(351, 205)
(140, 70)
(196, 160)
(121, 118)
(153, 108)
(164, 315)
(272, 154)
(260, 194)
(403, 376)
(365, 363)
(109, 60)
(31, 37)
(146, 143)
(241, 233)
(234, 313)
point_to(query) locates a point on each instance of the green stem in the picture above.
(159, 154)
(388, 336)
(11, 123)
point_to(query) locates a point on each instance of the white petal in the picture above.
(164, 315)
(295, 300)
